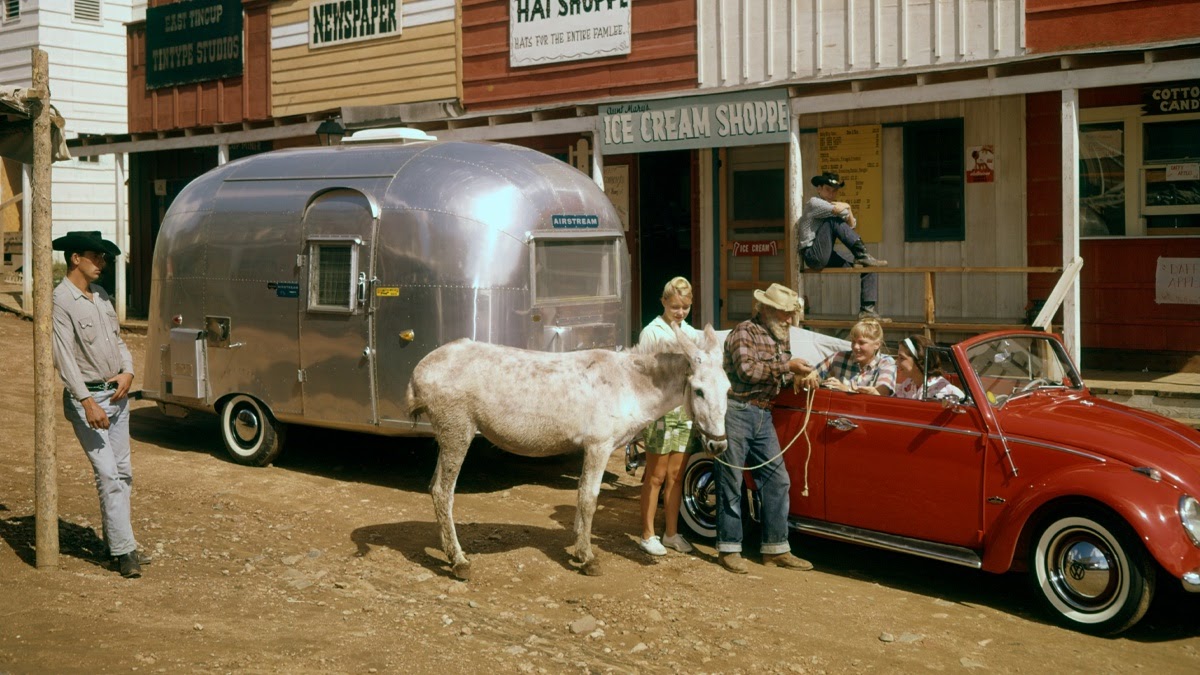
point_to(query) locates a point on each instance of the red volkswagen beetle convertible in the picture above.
(1027, 471)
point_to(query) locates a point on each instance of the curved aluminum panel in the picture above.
(448, 256)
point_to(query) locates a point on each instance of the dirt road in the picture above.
(329, 562)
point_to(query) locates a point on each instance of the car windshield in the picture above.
(1015, 366)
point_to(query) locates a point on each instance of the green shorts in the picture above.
(670, 433)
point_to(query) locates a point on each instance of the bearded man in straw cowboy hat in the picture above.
(759, 363)
(97, 369)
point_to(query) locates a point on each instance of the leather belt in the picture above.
(100, 386)
(758, 403)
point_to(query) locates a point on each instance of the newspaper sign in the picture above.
(554, 31)
(1177, 281)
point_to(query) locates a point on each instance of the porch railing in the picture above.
(929, 323)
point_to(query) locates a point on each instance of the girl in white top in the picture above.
(918, 373)
(667, 438)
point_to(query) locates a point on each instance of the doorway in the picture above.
(665, 225)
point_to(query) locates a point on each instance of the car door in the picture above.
(906, 467)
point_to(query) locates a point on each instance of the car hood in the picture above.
(1112, 430)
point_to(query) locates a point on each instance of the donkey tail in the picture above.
(416, 407)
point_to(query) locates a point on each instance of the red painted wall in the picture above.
(1117, 305)
(1058, 25)
(662, 58)
(231, 100)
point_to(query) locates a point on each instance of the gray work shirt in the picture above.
(87, 339)
(816, 209)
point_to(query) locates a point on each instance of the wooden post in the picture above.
(44, 448)
(1070, 218)
(795, 206)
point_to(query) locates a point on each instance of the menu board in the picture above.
(855, 154)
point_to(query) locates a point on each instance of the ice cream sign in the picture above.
(742, 118)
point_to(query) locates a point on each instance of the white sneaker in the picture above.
(652, 546)
(678, 543)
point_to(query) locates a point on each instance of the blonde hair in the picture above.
(677, 287)
(870, 329)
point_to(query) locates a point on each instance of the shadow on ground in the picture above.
(20, 533)
(403, 463)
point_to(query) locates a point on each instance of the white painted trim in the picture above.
(122, 234)
(1001, 86)
(200, 140)
(27, 239)
(708, 222)
(573, 125)
(1070, 217)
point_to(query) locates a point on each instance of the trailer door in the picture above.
(336, 348)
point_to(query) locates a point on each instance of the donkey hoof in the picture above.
(462, 571)
(592, 568)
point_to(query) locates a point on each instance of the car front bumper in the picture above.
(1191, 581)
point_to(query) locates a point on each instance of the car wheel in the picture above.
(252, 436)
(698, 508)
(1092, 573)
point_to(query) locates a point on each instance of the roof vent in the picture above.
(393, 135)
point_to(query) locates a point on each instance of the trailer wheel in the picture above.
(252, 436)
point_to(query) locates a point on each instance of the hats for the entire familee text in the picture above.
(85, 240)
(828, 178)
(779, 297)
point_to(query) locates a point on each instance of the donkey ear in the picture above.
(686, 344)
(711, 341)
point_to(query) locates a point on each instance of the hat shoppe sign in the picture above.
(193, 41)
(554, 31)
(739, 118)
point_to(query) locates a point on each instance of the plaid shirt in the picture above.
(755, 362)
(880, 372)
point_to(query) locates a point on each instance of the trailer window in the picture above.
(575, 269)
(331, 276)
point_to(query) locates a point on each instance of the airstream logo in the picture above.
(573, 222)
(284, 289)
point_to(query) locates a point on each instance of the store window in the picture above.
(1171, 175)
(1138, 174)
(933, 181)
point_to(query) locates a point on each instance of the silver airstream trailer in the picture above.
(303, 286)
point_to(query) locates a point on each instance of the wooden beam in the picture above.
(45, 381)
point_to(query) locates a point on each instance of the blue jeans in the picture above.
(821, 254)
(108, 451)
(752, 440)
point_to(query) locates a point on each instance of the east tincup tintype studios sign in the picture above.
(193, 41)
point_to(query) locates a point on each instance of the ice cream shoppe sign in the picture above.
(553, 31)
(741, 118)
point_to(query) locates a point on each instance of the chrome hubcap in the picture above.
(246, 425)
(1083, 570)
(700, 494)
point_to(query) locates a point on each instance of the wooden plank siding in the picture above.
(226, 101)
(662, 58)
(1117, 307)
(420, 64)
(1060, 25)
(995, 224)
(763, 41)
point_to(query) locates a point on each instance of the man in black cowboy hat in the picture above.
(825, 220)
(97, 369)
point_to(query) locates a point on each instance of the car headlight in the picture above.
(1189, 513)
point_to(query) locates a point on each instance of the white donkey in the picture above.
(538, 404)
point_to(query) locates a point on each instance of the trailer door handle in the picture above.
(362, 288)
(842, 424)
